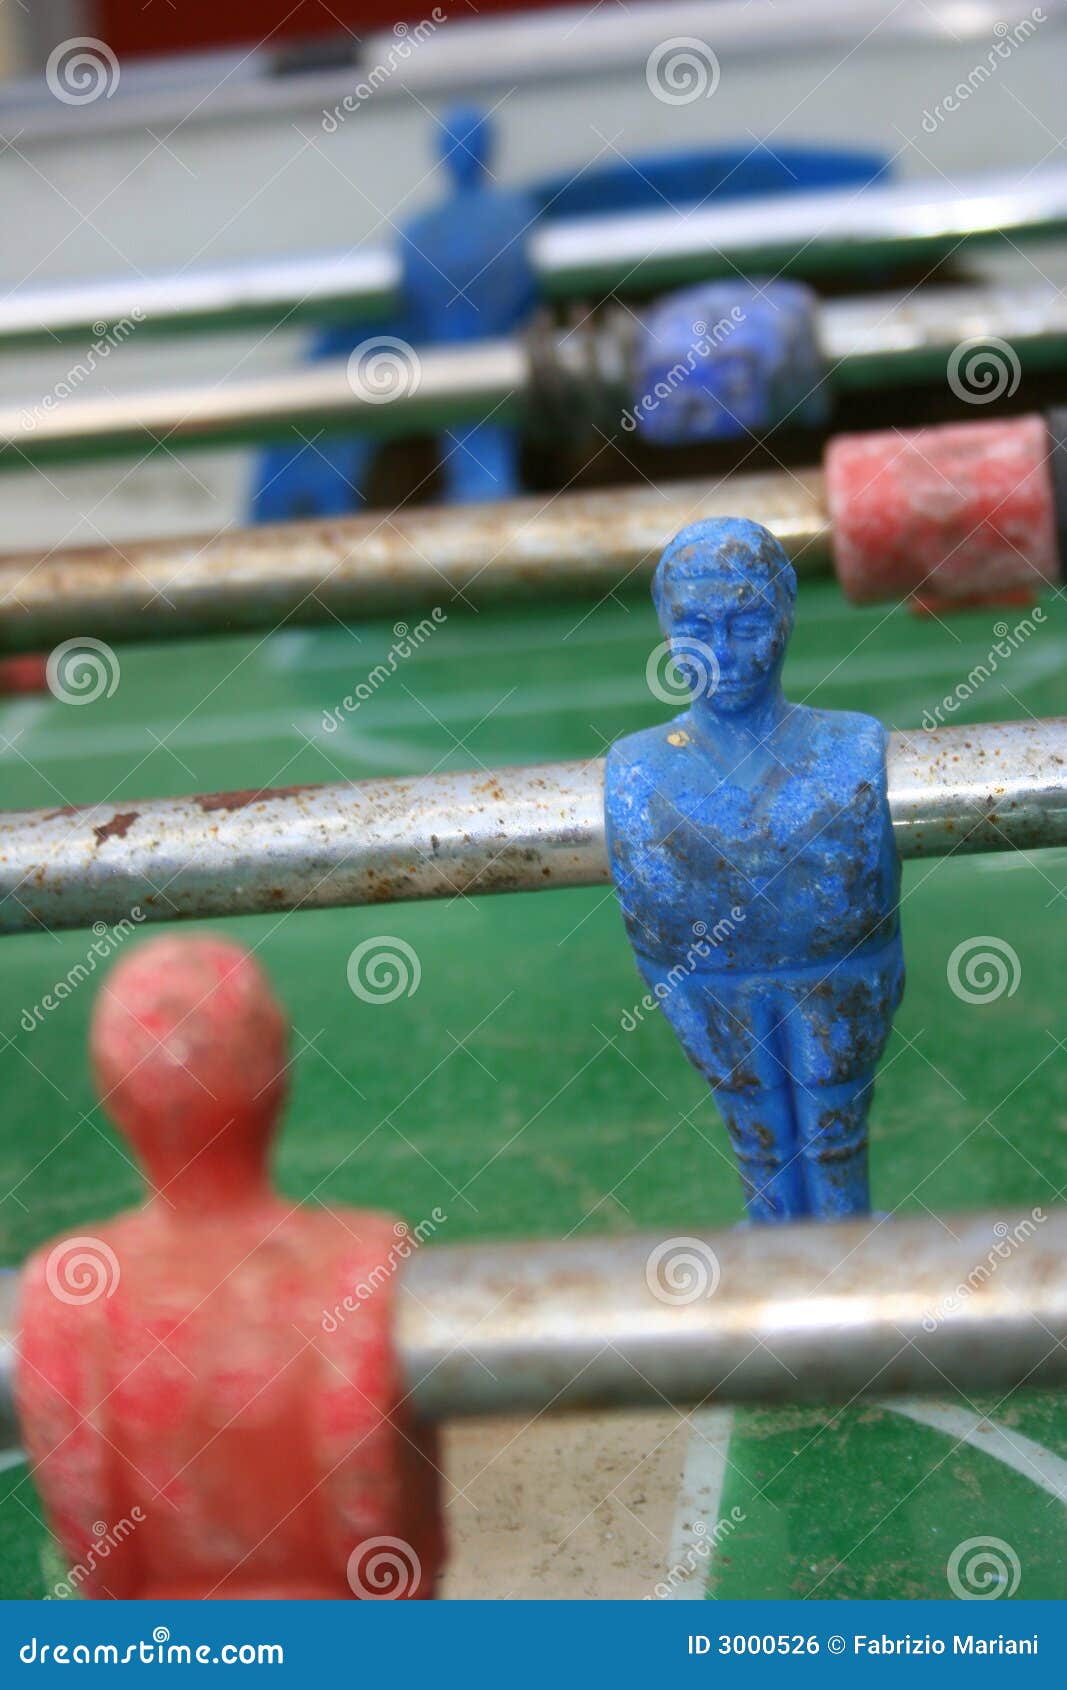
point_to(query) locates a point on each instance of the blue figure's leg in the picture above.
(763, 1135)
(832, 1123)
(733, 1040)
(480, 464)
(327, 479)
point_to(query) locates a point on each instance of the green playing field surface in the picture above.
(505, 1091)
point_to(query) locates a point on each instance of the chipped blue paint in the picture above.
(726, 359)
(752, 852)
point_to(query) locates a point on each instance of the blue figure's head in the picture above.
(724, 592)
(466, 140)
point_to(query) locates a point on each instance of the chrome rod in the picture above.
(768, 1314)
(798, 1313)
(988, 788)
(390, 388)
(876, 340)
(808, 233)
(395, 392)
(270, 290)
(804, 233)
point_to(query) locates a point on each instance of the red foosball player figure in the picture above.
(184, 1401)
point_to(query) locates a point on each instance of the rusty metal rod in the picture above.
(988, 788)
(255, 578)
(807, 233)
(390, 388)
(771, 1314)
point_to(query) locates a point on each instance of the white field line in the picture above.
(696, 1512)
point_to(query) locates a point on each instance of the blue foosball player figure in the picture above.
(467, 276)
(752, 851)
(329, 475)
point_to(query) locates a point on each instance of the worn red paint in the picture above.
(177, 1368)
(956, 515)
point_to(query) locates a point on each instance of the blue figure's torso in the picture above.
(466, 268)
(797, 834)
(467, 276)
(760, 894)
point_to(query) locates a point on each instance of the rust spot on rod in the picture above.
(240, 800)
(117, 828)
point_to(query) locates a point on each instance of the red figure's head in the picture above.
(189, 1049)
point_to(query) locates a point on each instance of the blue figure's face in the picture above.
(728, 635)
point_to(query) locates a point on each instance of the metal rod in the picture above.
(771, 1314)
(270, 290)
(396, 390)
(255, 578)
(768, 1314)
(805, 233)
(420, 394)
(877, 340)
(808, 233)
(989, 788)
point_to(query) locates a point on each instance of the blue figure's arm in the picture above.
(639, 821)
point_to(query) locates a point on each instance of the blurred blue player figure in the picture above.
(468, 277)
(753, 855)
(327, 476)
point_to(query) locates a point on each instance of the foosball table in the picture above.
(490, 1319)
